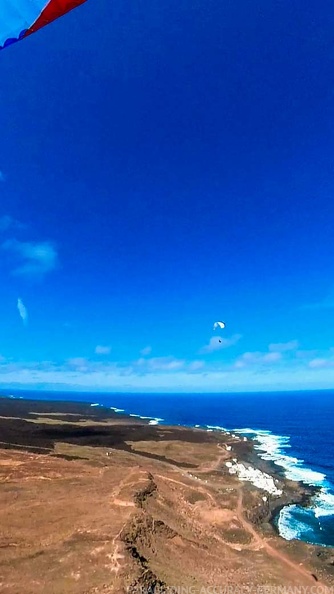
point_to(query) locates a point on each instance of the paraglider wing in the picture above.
(218, 325)
(20, 18)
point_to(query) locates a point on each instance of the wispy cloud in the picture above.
(257, 358)
(8, 223)
(79, 364)
(196, 365)
(216, 343)
(102, 350)
(306, 354)
(326, 303)
(271, 357)
(168, 376)
(23, 313)
(160, 364)
(37, 258)
(283, 347)
(321, 362)
(146, 351)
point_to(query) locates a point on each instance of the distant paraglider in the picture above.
(219, 325)
(20, 18)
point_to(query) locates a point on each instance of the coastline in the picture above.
(201, 463)
(294, 492)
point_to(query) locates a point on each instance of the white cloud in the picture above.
(196, 365)
(326, 302)
(160, 364)
(306, 354)
(216, 343)
(80, 364)
(38, 258)
(23, 313)
(257, 358)
(141, 361)
(283, 347)
(146, 351)
(252, 371)
(271, 357)
(321, 363)
(8, 223)
(80, 374)
(102, 350)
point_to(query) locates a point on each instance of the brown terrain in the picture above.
(92, 502)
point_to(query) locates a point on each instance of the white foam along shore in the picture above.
(151, 420)
(259, 479)
(271, 447)
(289, 528)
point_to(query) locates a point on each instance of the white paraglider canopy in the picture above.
(219, 325)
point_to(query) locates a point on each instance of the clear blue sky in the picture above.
(165, 165)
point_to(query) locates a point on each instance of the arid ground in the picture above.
(92, 502)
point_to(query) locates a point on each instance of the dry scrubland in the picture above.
(92, 502)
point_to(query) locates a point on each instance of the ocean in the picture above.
(293, 429)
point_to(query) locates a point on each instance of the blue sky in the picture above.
(163, 166)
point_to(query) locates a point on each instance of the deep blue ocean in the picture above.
(294, 429)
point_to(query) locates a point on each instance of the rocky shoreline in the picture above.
(123, 504)
(293, 492)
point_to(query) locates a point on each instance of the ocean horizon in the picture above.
(292, 429)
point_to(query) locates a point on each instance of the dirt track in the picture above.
(100, 505)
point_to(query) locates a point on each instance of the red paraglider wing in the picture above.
(53, 10)
(20, 18)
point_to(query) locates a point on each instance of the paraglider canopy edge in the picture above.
(29, 17)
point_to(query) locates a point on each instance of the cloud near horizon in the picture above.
(164, 374)
(102, 350)
(37, 258)
(216, 343)
(79, 364)
(159, 364)
(326, 303)
(146, 351)
(251, 358)
(321, 363)
(283, 347)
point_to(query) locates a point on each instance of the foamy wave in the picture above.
(155, 421)
(324, 504)
(217, 428)
(270, 447)
(294, 522)
(288, 527)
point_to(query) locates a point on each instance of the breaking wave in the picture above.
(313, 524)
